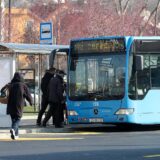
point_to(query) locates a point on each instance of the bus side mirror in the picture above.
(138, 62)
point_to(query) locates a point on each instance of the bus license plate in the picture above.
(94, 120)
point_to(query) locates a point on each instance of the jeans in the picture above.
(15, 123)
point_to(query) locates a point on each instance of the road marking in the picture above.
(74, 133)
(40, 139)
(88, 133)
(6, 137)
(152, 156)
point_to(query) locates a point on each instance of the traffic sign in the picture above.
(46, 36)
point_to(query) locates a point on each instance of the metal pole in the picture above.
(58, 23)
(2, 21)
(9, 22)
(0, 18)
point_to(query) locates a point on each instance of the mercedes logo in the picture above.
(96, 111)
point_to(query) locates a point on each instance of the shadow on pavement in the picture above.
(114, 128)
(30, 125)
(91, 128)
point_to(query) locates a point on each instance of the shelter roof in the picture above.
(29, 48)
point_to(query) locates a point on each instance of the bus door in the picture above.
(58, 59)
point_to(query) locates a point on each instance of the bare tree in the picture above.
(154, 12)
(31, 35)
(156, 18)
(121, 6)
(93, 18)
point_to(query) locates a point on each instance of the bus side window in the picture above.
(155, 77)
(155, 72)
(143, 80)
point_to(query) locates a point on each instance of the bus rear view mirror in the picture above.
(138, 62)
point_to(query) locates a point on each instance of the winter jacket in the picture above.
(18, 92)
(56, 90)
(45, 81)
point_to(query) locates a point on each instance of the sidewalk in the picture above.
(28, 125)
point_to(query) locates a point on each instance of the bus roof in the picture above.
(112, 37)
(146, 37)
(100, 37)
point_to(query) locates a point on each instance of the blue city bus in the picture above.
(114, 80)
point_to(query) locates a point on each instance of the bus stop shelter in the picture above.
(31, 60)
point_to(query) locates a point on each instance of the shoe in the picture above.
(65, 122)
(12, 133)
(59, 126)
(38, 123)
(44, 125)
(16, 137)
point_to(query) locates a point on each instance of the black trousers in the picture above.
(48, 116)
(44, 104)
(55, 110)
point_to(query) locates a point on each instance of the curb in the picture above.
(5, 133)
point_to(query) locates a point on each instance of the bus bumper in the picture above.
(107, 119)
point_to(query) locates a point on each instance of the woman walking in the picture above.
(18, 92)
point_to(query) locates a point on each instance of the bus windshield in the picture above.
(97, 76)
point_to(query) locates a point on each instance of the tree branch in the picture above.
(149, 19)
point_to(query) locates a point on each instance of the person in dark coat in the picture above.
(18, 92)
(44, 87)
(56, 98)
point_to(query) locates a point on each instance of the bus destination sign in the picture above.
(98, 46)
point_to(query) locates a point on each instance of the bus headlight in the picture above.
(125, 111)
(72, 113)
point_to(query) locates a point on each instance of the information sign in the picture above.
(46, 36)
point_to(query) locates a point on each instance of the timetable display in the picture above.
(98, 46)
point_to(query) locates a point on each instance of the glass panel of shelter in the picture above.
(32, 67)
(60, 62)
